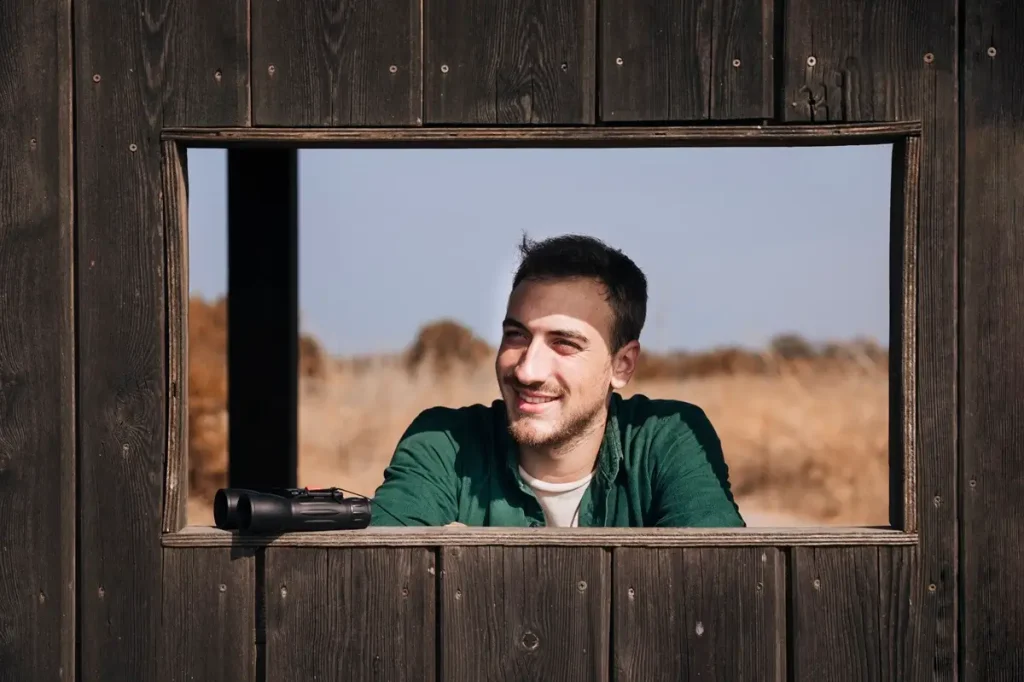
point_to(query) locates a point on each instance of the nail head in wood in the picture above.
(736, 63)
(812, 60)
(271, 69)
(929, 58)
(132, 148)
(444, 68)
(393, 69)
(95, 78)
(618, 60)
(991, 52)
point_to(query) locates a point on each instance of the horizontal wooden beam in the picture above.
(573, 136)
(207, 536)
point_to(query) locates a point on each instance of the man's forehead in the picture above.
(560, 302)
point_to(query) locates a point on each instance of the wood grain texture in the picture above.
(350, 614)
(524, 614)
(684, 60)
(854, 611)
(209, 616)
(861, 61)
(174, 174)
(686, 614)
(552, 136)
(399, 536)
(37, 349)
(509, 62)
(336, 62)
(992, 475)
(904, 199)
(122, 334)
(206, 81)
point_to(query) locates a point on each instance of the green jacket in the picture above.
(660, 464)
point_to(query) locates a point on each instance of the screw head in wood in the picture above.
(736, 63)
(95, 78)
(991, 52)
(929, 58)
(393, 69)
(444, 68)
(222, 587)
(133, 148)
(271, 69)
(812, 60)
(217, 75)
(618, 60)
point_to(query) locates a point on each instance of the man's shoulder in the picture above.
(454, 424)
(654, 425)
(641, 412)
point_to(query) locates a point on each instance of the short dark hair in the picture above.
(571, 256)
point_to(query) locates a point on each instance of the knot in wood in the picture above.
(530, 641)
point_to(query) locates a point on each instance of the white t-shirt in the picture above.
(560, 501)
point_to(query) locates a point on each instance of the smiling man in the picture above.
(562, 447)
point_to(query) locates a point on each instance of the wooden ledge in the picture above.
(550, 136)
(208, 536)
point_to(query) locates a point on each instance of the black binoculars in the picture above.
(279, 510)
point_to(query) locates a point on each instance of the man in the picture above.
(562, 448)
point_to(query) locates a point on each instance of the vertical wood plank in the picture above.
(680, 60)
(716, 614)
(350, 614)
(509, 62)
(175, 216)
(992, 360)
(524, 613)
(208, 629)
(207, 63)
(883, 60)
(37, 347)
(862, 61)
(900, 594)
(835, 624)
(122, 398)
(336, 62)
(263, 317)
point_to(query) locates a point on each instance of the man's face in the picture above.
(554, 364)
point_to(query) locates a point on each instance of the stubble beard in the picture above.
(572, 429)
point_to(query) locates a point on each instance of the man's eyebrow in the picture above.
(566, 333)
(569, 334)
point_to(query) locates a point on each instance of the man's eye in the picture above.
(568, 344)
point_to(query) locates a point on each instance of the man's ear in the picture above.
(624, 364)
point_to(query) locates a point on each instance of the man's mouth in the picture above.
(532, 402)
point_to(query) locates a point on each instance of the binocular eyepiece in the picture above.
(279, 510)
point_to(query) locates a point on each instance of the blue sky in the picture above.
(738, 244)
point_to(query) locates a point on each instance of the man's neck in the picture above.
(570, 462)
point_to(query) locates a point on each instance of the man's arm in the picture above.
(691, 479)
(420, 483)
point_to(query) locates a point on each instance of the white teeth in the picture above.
(531, 399)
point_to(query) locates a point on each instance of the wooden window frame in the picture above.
(904, 245)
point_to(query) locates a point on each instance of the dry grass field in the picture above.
(805, 430)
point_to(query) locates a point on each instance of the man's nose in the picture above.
(532, 367)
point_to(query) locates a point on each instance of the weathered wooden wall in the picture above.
(83, 334)
(37, 344)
